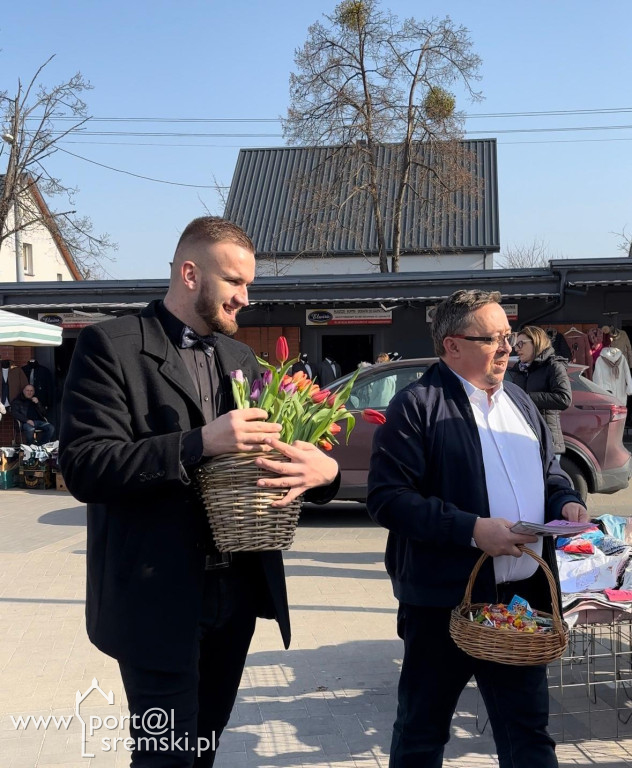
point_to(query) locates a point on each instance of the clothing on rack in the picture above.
(580, 349)
(42, 379)
(12, 381)
(559, 343)
(612, 372)
(621, 340)
(327, 371)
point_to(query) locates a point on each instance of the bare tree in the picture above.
(364, 79)
(533, 256)
(625, 242)
(30, 137)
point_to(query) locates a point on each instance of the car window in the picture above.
(377, 391)
(582, 384)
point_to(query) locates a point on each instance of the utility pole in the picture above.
(12, 189)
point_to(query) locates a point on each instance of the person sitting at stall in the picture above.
(31, 414)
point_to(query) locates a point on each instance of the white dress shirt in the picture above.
(513, 471)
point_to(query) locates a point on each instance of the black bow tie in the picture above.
(190, 338)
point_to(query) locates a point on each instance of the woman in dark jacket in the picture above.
(543, 377)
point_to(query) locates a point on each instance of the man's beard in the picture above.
(208, 311)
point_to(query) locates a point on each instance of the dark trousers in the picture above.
(434, 674)
(46, 432)
(199, 699)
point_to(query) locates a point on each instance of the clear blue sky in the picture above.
(209, 59)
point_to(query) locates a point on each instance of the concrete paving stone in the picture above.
(343, 616)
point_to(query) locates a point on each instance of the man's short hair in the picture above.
(213, 229)
(454, 314)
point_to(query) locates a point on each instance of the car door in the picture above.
(374, 389)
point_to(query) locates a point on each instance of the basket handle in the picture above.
(557, 619)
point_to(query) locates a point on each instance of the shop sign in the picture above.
(71, 319)
(355, 316)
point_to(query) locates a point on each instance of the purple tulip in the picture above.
(267, 378)
(290, 388)
(238, 376)
(256, 390)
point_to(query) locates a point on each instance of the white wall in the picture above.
(354, 265)
(48, 261)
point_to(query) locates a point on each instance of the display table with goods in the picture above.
(9, 468)
(35, 465)
(241, 512)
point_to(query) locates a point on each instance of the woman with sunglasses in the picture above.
(543, 377)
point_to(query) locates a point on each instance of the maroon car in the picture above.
(595, 459)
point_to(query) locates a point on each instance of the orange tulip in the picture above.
(325, 445)
(335, 428)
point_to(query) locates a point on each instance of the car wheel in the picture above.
(576, 475)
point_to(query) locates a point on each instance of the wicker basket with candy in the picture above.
(512, 634)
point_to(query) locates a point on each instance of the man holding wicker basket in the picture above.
(147, 400)
(461, 458)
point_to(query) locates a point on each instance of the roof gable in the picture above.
(49, 222)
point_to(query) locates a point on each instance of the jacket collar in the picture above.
(155, 342)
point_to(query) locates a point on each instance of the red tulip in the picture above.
(325, 445)
(282, 349)
(322, 394)
(373, 417)
(335, 428)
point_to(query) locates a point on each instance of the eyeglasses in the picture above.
(501, 338)
(520, 344)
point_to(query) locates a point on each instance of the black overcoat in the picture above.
(127, 400)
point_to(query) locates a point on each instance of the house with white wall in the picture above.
(45, 255)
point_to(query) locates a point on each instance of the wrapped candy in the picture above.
(517, 616)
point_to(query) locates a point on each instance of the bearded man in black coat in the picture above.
(147, 399)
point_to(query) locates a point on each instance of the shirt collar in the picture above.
(476, 395)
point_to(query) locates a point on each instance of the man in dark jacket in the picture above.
(146, 400)
(460, 459)
(31, 414)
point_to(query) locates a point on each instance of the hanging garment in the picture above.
(580, 350)
(612, 372)
(595, 339)
(42, 379)
(621, 340)
(559, 343)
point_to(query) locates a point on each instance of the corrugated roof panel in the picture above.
(280, 196)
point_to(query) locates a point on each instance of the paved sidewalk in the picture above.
(328, 701)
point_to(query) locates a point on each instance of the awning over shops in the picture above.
(19, 331)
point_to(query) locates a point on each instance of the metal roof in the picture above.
(587, 283)
(278, 195)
